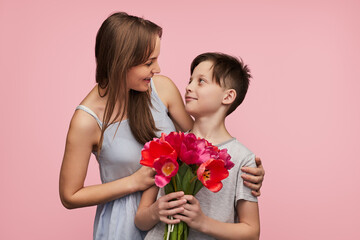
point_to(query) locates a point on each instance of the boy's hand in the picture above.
(164, 207)
(192, 215)
(254, 182)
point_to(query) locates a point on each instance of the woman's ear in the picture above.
(229, 97)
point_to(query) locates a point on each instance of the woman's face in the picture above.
(138, 77)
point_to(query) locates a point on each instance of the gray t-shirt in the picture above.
(221, 205)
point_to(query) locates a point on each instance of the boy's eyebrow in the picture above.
(203, 76)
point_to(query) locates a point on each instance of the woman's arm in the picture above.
(171, 97)
(151, 211)
(83, 135)
(247, 228)
(254, 177)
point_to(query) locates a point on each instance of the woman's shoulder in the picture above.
(94, 102)
(162, 82)
(86, 116)
(165, 88)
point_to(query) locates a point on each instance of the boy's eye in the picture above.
(201, 80)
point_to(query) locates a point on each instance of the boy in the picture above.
(217, 86)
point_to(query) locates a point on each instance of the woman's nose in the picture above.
(156, 68)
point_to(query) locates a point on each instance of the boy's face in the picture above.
(203, 96)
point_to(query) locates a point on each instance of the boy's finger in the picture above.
(190, 199)
(181, 218)
(172, 212)
(169, 221)
(173, 195)
(176, 203)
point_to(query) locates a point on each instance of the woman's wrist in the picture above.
(131, 184)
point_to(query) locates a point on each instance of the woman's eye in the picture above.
(148, 64)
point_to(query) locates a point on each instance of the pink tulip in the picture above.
(166, 167)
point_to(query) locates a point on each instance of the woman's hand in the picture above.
(192, 215)
(255, 180)
(143, 178)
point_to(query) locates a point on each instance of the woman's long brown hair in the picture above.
(124, 41)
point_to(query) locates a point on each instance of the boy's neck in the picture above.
(213, 131)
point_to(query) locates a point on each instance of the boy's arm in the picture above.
(247, 228)
(151, 211)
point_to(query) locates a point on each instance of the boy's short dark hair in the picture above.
(229, 72)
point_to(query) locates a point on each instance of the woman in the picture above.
(128, 107)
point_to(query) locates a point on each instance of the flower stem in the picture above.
(174, 183)
(193, 179)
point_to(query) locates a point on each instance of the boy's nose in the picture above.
(188, 88)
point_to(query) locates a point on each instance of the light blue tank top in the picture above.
(120, 157)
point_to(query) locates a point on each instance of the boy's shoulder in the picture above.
(234, 145)
(239, 153)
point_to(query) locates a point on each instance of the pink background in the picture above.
(301, 114)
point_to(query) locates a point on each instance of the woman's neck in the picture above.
(104, 98)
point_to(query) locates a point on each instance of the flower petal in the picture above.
(211, 172)
(146, 160)
(161, 180)
(166, 166)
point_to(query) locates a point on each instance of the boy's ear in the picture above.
(229, 96)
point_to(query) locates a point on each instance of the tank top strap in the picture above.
(156, 97)
(89, 111)
(152, 85)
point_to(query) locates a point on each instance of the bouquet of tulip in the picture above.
(184, 162)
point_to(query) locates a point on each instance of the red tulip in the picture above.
(154, 150)
(175, 139)
(211, 172)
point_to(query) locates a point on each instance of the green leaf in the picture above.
(169, 188)
(198, 186)
(188, 182)
(165, 233)
(180, 230)
(186, 231)
(182, 169)
(173, 235)
(173, 181)
(179, 186)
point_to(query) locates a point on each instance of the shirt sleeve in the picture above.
(242, 191)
